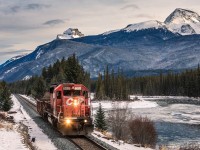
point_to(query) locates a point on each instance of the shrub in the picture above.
(143, 132)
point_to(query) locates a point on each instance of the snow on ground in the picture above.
(11, 140)
(143, 106)
(42, 141)
(124, 104)
(31, 99)
(119, 145)
(162, 97)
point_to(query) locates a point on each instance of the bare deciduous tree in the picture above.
(118, 119)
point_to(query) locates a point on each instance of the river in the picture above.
(176, 124)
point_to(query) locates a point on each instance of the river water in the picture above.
(176, 124)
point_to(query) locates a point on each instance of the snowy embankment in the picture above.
(11, 139)
(117, 144)
(31, 99)
(42, 141)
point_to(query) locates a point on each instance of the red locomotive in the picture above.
(67, 108)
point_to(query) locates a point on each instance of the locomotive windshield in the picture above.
(72, 92)
(76, 93)
(67, 93)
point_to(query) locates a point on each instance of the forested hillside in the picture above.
(110, 85)
(62, 71)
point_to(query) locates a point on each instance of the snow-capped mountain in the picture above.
(152, 24)
(185, 22)
(145, 25)
(13, 59)
(181, 21)
(143, 46)
(70, 33)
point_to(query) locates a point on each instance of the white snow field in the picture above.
(109, 105)
(11, 140)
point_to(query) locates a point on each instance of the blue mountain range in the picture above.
(139, 49)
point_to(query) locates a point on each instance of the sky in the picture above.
(26, 24)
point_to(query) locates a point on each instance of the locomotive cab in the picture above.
(70, 108)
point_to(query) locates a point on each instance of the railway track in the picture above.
(85, 143)
(30, 104)
(81, 142)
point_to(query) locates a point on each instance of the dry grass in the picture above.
(1, 125)
(6, 125)
(3, 115)
(23, 130)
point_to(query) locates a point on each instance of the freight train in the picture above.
(67, 108)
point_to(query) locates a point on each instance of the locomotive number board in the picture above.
(73, 88)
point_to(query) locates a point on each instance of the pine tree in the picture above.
(38, 88)
(5, 100)
(100, 122)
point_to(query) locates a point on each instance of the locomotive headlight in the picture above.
(68, 121)
(75, 102)
(85, 121)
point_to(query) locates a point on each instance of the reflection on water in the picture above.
(177, 133)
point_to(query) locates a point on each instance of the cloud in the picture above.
(3, 45)
(27, 7)
(131, 6)
(36, 6)
(143, 16)
(15, 52)
(5, 55)
(14, 9)
(54, 22)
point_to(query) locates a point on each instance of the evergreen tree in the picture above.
(38, 88)
(100, 122)
(5, 100)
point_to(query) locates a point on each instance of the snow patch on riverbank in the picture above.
(117, 144)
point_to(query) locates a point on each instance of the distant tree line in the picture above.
(112, 86)
(118, 87)
(60, 72)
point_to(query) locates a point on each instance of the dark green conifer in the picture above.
(100, 122)
(5, 100)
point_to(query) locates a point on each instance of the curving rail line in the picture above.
(82, 142)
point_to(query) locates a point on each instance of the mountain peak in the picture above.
(183, 15)
(183, 21)
(70, 33)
